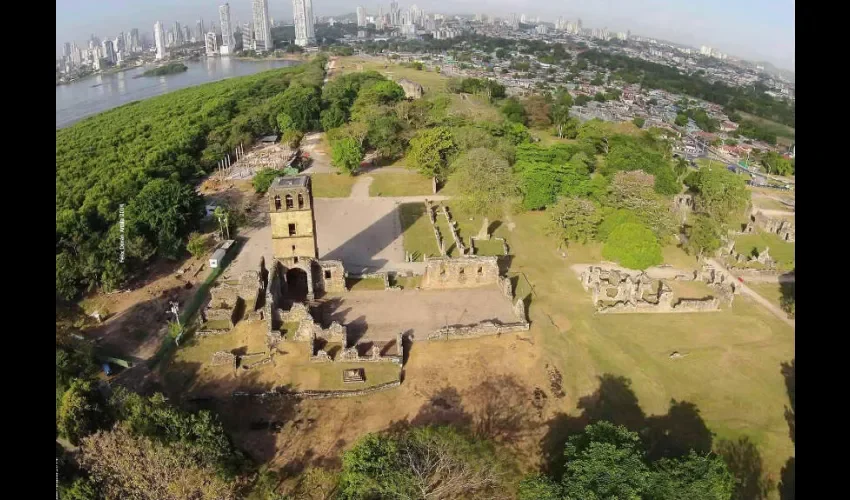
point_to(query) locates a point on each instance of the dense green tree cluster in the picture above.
(608, 461)
(425, 462)
(138, 158)
(652, 75)
(720, 194)
(490, 88)
(753, 130)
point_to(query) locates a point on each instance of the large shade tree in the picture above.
(485, 182)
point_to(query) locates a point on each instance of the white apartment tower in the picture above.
(262, 26)
(227, 41)
(211, 42)
(159, 38)
(361, 16)
(303, 13)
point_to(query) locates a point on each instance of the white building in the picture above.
(262, 27)
(303, 13)
(211, 42)
(361, 17)
(227, 41)
(159, 38)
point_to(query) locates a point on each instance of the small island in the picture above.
(168, 69)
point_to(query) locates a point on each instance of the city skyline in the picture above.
(756, 30)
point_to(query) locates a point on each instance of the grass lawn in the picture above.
(731, 371)
(469, 225)
(678, 258)
(705, 162)
(779, 129)
(332, 185)
(400, 184)
(548, 137)
(430, 80)
(780, 251)
(362, 284)
(216, 324)
(418, 235)
(489, 247)
(405, 282)
(474, 107)
(770, 204)
(770, 291)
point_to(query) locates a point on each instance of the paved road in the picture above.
(778, 312)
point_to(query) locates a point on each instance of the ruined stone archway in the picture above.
(296, 284)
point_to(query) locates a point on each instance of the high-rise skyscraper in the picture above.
(361, 16)
(262, 26)
(135, 43)
(159, 37)
(211, 40)
(109, 51)
(187, 34)
(119, 42)
(199, 26)
(303, 13)
(395, 14)
(66, 50)
(227, 41)
(178, 34)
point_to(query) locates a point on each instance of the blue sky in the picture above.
(753, 29)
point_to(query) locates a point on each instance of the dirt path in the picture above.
(776, 213)
(778, 312)
(361, 187)
(312, 146)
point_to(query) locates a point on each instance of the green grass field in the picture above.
(363, 284)
(473, 107)
(332, 185)
(400, 184)
(781, 251)
(731, 371)
(418, 235)
(784, 134)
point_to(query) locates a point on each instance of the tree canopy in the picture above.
(608, 461)
(485, 182)
(720, 194)
(632, 245)
(108, 159)
(424, 462)
(431, 151)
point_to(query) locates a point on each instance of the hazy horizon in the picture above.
(756, 30)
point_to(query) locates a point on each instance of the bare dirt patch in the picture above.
(381, 315)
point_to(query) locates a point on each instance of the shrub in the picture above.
(633, 246)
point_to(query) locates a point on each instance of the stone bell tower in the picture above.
(292, 220)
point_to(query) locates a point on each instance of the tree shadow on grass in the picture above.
(787, 480)
(745, 463)
(671, 435)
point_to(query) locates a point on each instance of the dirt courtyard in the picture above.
(381, 315)
(364, 233)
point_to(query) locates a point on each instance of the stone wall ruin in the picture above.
(462, 272)
(616, 291)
